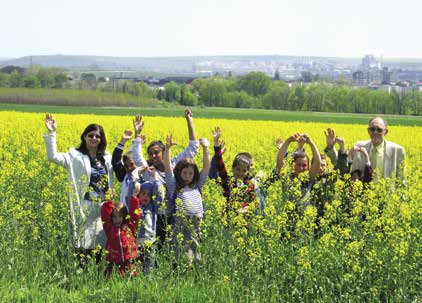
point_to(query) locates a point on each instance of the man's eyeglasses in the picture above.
(94, 136)
(375, 129)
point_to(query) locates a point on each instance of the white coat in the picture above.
(85, 216)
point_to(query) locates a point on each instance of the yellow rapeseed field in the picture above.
(374, 249)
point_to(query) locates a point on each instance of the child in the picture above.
(243, 180)
(185, 184)
(155, 160)
(148, 193)
(125, 168)
(121, 235)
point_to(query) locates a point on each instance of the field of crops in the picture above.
(371, 253)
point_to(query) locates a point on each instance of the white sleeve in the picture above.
(137, 153)
(52, 154)
(190, 152)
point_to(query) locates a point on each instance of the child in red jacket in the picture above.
(120, 228)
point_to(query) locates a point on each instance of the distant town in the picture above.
(369, 71)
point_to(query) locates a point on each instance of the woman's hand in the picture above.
(50, 123)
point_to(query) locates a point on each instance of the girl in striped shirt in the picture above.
(184, 185)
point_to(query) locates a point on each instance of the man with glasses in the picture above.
(386, 157)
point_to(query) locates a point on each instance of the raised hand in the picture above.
(127, 134)
(188, 114)
(50, 123)
(278, 143)
(169, 141)
(294, 138)
(216, 134)
(302, 141)
(138, 124)
(330, 137)
(204, 142)
(305, 138)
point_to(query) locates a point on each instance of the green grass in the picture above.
(217, 113)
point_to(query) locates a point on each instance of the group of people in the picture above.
(161, 196)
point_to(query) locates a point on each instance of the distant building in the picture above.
(364, 78)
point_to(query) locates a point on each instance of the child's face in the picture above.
(187, 175)
(240, 171)
(145, 196)
(130, 165)
(116, 218)
(301, 165)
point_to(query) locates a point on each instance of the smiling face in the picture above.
(92, 139)
(155, 155)
(377, 130)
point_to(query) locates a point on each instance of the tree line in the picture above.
(253, 90)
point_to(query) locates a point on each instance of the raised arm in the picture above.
(283, 149)
(330, 151)
(191, 128)
(50, 143)
(193, 148)
(166, 155)
(116, 159)
(316, 157)
(206, 156)
(342, 161)
(138, 125)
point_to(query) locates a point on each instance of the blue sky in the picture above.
(141, 28)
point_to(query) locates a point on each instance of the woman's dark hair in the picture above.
(103, 141)
(184, 163)
(156, 143)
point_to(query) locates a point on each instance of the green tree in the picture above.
(4, 80)
(172, 92)
(32, 81)
(16, 79)
(255, 83)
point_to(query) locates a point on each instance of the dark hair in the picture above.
(103, 141)
(300, 155)
(242, 158)
(184, 163)
(358, 173)
(157, 143)
(127, 157)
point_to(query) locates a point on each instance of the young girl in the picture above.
(185, 184)
(155, 160)
(121, 246)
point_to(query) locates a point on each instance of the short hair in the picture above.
(300, 155)
(243, 158)
(381, 118)
(182, 164)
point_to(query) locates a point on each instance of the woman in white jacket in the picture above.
(90, 177)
